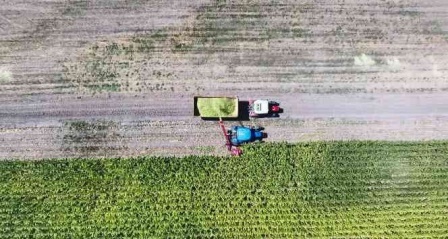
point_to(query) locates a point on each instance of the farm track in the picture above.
(347, 70)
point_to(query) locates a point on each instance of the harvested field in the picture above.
(341, 70)
(357, 189)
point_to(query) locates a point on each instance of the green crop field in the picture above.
(356, 189)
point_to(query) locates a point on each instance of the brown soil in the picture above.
(117, 78)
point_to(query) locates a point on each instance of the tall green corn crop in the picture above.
(359, 189)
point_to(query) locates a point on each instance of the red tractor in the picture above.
(264, 108)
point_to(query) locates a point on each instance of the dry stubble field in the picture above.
(116, 78)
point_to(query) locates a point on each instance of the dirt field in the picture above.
(117, 78)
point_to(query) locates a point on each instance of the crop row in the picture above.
(322, 189)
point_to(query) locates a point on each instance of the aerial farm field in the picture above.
(359, 152)
(117, 78)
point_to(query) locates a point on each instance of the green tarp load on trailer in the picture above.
(225, 107)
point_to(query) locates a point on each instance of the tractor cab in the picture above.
(241, 135)
(261, 107)
(264, 108)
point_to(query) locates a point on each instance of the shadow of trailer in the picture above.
(241, 109)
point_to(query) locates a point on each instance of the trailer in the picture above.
(216, 107)
(213, 107)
